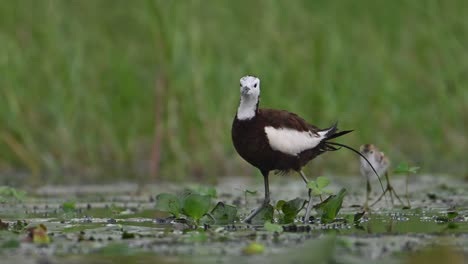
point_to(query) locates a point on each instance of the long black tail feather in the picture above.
(339, 134)
(357, 152)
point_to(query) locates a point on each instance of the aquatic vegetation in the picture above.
(288, 210)
(328, 209)
(404, 168)
(10, 194)
(318, 186)
(271, 227)
(123, 226)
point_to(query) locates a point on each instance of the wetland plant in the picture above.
(317, 187)
(10, 194)
(288, 210)
(404, 168)
(196, 208)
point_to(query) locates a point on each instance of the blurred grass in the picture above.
(77, 82)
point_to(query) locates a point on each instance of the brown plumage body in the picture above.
(251, 142)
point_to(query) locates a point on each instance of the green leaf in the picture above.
(196, 205)
(9, 194)
(168, 202)
(452, 214)
(413, 170)
(279, 204)
(322, 182)
(402, 168)
(329, 208)
(270, 227)
(265, 214)
(316, 191)
(68, 206)
(358, 216)
(290, 209)
(349, 218)
(206, 190)
(224, 214)
(311, 184)
(251, 192)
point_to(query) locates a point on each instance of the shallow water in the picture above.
(118, 224)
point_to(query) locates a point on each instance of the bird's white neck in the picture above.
(247, 108)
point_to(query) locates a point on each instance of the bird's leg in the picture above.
(306, 181)
(389, 187)
(380, 198)
(309, 203)
(392, 190)
(398, 197)
(368, 191)
(266, 200)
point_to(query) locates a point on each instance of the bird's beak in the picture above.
(245, 90)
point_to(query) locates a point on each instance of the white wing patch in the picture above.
(291, 141)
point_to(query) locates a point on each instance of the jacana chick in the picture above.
(276, 140)
(381, 163)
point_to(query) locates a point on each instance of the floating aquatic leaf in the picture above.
(196, 205)
(206, 190)
(127, 235)
(290, 209)
(167, 202)
(358, 216)
(279, 204)
(265, 214)
(452, 214)
(272, 227)
(68, 206)
(329, 208)
(224, 214)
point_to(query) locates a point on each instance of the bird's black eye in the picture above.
(255, 85)
(241, 85)
(371, 152)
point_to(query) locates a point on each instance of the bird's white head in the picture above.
(250, 86)
(250, 92)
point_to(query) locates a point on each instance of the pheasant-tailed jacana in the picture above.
(276, 140)
(381, 163)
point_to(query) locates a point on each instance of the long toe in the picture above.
(249, 218)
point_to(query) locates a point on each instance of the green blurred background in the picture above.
(105, 90)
